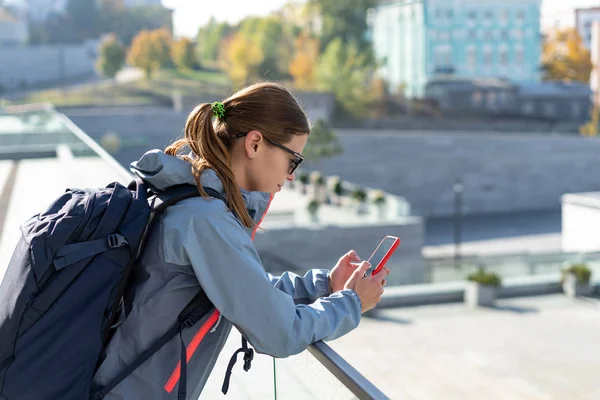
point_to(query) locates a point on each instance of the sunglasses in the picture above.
(294, 164)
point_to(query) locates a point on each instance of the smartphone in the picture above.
(382, 254)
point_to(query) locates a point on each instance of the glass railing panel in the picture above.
(321, 373)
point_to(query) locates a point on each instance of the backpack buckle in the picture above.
(190, 321)
(117, 240)
(248, 357)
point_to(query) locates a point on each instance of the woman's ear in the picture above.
(253, 140)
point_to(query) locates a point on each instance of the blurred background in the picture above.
(468, 128)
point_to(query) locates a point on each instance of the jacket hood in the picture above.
(162, 171)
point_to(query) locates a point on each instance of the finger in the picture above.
(351, 256)
(360, 271)
(354, 256)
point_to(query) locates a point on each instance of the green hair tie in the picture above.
(218, 110)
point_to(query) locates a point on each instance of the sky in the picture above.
(191, 14)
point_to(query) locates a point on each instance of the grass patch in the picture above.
(157, 91)
(188, 83)
(97, 95)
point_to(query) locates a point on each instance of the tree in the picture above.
(112, 57)
(565, 57)
(275, 39)
(210, 40)
(245, 58)
(322, 142)
(127, 22)
(183, 55)
(150, 51)
(302, 66)
(345, 72)
(592, 126)
(344, 20)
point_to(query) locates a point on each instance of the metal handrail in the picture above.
(96, 148)
(360, 386)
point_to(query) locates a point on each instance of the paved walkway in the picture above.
(540, 348)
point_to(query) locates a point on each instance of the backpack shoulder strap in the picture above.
(177, 193)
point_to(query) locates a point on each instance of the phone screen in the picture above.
(380, 253)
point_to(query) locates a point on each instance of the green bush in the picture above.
(303, 177)
(313, 206)
(485, 278)
(359, 195)
(581, 271)
(379, 197)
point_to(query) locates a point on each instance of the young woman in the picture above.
(246, 149)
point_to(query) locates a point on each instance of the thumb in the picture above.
(360, 271)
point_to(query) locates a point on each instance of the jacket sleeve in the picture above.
(230, 272)
(303, 289)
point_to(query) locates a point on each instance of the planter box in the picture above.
(572, 288)
(477, 295)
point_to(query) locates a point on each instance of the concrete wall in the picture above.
(501, 172)
(316, 105)
(581, 222)
(21, 67)
(302, 249)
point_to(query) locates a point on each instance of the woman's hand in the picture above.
(342, 271)
(368, 288)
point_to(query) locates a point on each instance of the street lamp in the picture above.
(458, 189)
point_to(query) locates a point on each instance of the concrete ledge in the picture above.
(453, 292)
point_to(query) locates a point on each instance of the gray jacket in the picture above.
(199, 243)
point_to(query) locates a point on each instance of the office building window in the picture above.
(491, 99)
(549, 108)
(504, 16)
(472, 15)
(528, 108)
(476, 98)
(504, 35)
(503, 55)
(472, 34)
(575, 110)
(520, 16)
(487, 57)
(519, 57)
(449, 14)
(518, 34)
(489, 14)
(471, 57)
(443, 56)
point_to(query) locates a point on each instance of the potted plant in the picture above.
(380, 201)
(337, 187)
(313, 210)
(359, 196)
(481, 289)
(303, 178)
(319, 183)
(576, 280)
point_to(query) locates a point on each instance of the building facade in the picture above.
(552, 100)
(584, 19)
(14, 29)
(420, 40)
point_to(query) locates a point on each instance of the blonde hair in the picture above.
(267, 107)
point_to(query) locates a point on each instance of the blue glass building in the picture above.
(423, 40)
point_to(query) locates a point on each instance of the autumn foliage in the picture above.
(565, 57)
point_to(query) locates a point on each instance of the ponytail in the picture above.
(212, 153)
